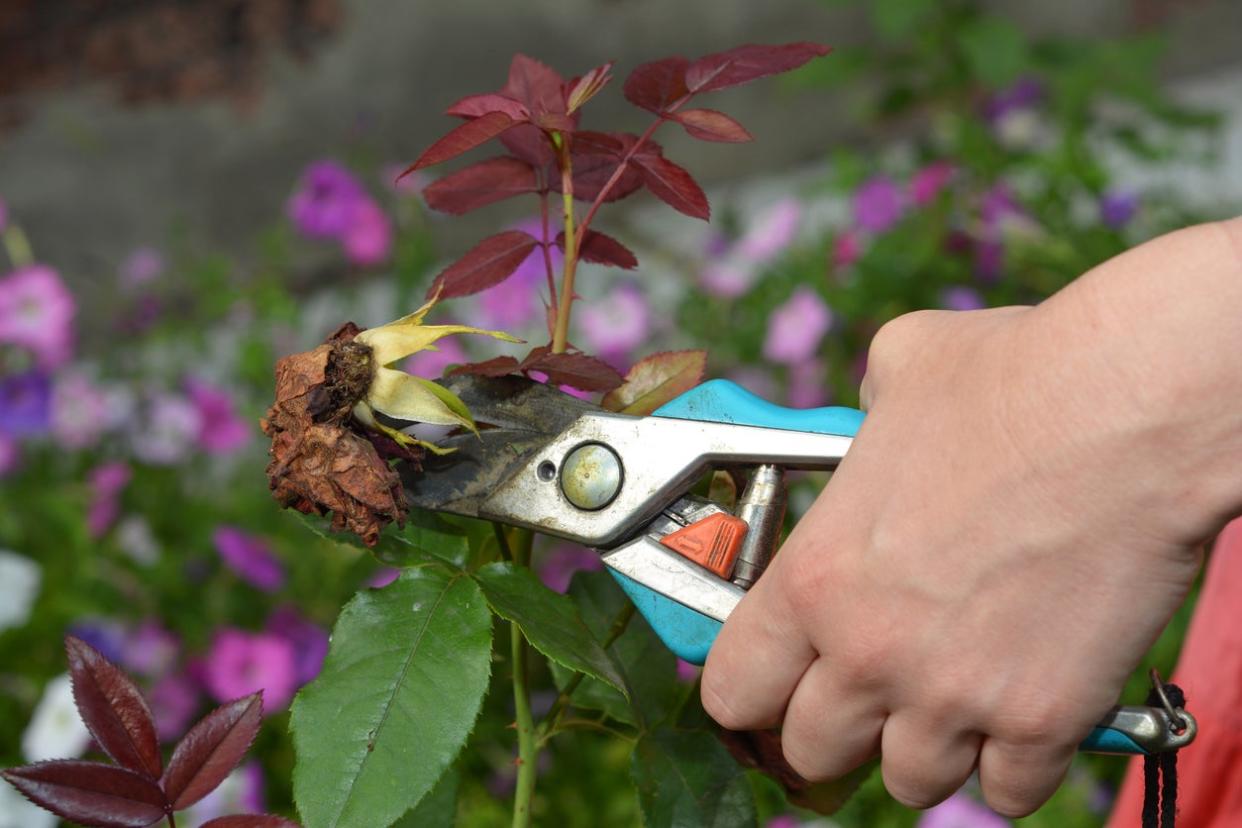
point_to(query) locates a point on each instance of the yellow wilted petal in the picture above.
(397, 340)
(399, 395)
(364, 415)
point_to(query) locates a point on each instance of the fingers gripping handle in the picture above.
(689, 634)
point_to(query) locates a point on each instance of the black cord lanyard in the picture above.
(1160, 769)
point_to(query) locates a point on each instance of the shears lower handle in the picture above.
(690, 634)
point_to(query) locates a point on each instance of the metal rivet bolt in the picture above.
(591, 476)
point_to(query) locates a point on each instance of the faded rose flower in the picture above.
(928, 182)
(171, 428)
(617, 324)
(240, 663)
(221, 429)
(143, 266)
(79, 411)
(878, 204)
(1118, 208)
(36, 313)
(368, 238)
(56, 730)
(25, 404)
(249, 557)
(308, 639)
(960, 811)
(796, 328)
(961, 298)
(106, 483)
(559, 564)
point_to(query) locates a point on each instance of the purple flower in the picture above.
(172, 427)
(174, 700)
(846, 249)
(1117, 208)
(996, 205)
(143, 266)
(36, 312)
(1026, 93)
(807, 388)
(772, 231)
(796, 328)
(323, 205)
(106, 482)
(240, 792)
(10, 455)
(960, 811)
(687, 672)
(989, 259)
(755, 380)
(782, 821)
(727, 278)
(961, 298)
(368, 238)
(150, 650)
(241, 663)
(384, 577)
(927, 183)
(308, 639)
(432, 364)
(878, 204)
(79, 411)
(108, 637)
(515, 302)
(558, 566)
(616, 324)
(221, 430)
(249, 557)
(25, 404)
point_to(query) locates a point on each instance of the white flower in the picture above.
(18, 812)
(19, 587)
(135, 538)
(56, 730)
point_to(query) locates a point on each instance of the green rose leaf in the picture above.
(426, 536)
(686, 777)
(400, 689)
(649, 668)
(438, 807)
(549, 620)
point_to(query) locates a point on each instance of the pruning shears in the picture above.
(621, 484)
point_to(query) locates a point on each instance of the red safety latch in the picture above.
(712, 542)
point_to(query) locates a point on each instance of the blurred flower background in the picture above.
(171, 227)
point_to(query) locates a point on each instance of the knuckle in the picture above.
(714, 695)
(804, 759)
(895, 338)
(909, 791)
(1010, 804)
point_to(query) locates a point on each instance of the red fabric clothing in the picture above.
(1209, 772)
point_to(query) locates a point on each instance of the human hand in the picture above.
(1016, 521)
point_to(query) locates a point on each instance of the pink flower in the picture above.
(368, 238)
(79, 411)
(308, 639)
(10, 455)
(241, 663)
(107, 482)
(409, 185)
(960, 811)
(36, 312)
(687, 672)
(807, 388)
(221, 429)
(878, 204)
(150, 649)
(172, 427)
(796, 328)
(323, 205)
(174, 700)
(755, 380)
(772, 231)
(143, 266)
(960, 297)
(432, 364)
(929, 181)
(249, 557)
(558, 566)
(384, 577)
(846, 249)
(616, 324)
(727, 278)
(783, 821)
(515, 302)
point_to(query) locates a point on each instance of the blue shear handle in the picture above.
(1106, 740)
(687, 633)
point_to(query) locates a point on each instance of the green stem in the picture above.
(17, 246)
(528, 749)
(503, 541)
(547, 254)
(560, 334)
